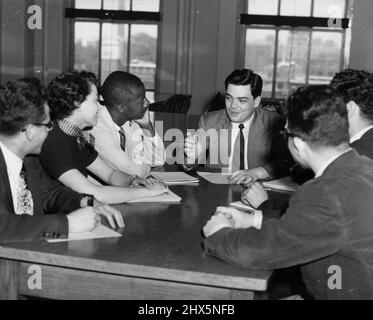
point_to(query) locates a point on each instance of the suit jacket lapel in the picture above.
(6, 193)
(33, 185)
(256, 128)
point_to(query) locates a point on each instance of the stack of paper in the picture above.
(168, 197)
(174, 178)
(281, 184)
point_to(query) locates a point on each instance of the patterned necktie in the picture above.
(122, 139)
(25, 204)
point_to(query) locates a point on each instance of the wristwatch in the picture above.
(86, 200)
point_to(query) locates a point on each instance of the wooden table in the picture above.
(159, 256)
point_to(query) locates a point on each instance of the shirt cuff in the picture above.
(258, 219)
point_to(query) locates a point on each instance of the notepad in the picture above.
(100, 232)
(215, 177)
(168, 197)
(241, 206)
(282, 184)
(174, 178)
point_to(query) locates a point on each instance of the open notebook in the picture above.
(174, 178)
(281, 184)
(168, 197)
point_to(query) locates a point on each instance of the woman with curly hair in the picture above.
(68, 154)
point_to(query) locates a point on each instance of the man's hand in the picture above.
(248, 176)
(238, 219)
(146, 124)
(254, 195)
(113, 216)
(83, 220)
(217, 221)
(192, 148)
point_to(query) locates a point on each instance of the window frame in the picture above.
(273, 22)
(102, 16)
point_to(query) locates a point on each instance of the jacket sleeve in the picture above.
(17, 228)
(310, 229)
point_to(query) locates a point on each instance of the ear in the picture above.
(352, 108)
(29, 133)
(299, 145)
(257, 101)
(121, 108)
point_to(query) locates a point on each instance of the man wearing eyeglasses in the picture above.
(26, 192)
(247, 143)
(327, 228)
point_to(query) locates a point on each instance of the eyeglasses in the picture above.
(286, 135)
(49, 125)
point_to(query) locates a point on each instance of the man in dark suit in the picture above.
(356, 88)
(327, 228)
(243, 136)
(26, 192)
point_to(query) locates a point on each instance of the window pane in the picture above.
(296, 8)
(86, 46)
(259, 55)
(145, 5)
(292, 61)
(150, 96)
(114, 48)
(88, 4)
(143, 53)
(268, 7)
(329, 8)
(325, 56)
(116, 4)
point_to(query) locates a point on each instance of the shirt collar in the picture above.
(12, 161)
(358, 135)
(235, 125)
(321, 170)
(70, 128)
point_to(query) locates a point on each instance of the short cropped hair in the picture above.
(244, 77)
(21, 103)
(318, 115)
(357, 86)
(67, 91)
(117, 87)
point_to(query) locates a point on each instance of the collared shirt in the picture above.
(14, 166)
(321, 170)
(359, 134)
(141, 151)
(234, 136)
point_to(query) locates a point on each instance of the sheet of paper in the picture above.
(281, 184)
(215, 177)
(172, 178)
(100, 232)
(241, 206)
(168, 197)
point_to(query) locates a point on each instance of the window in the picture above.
(112, 35)
(295, 42)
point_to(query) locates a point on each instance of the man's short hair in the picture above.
(67, 91)
(21, 103)
(318, 115)
(117, 87)
(244, 77)
(357, 86)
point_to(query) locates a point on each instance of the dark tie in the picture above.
(242, 147)
(122, 139)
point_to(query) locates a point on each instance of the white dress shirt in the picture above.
(235, 135)
(359, 134)
(14, 166)
(141, 152)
